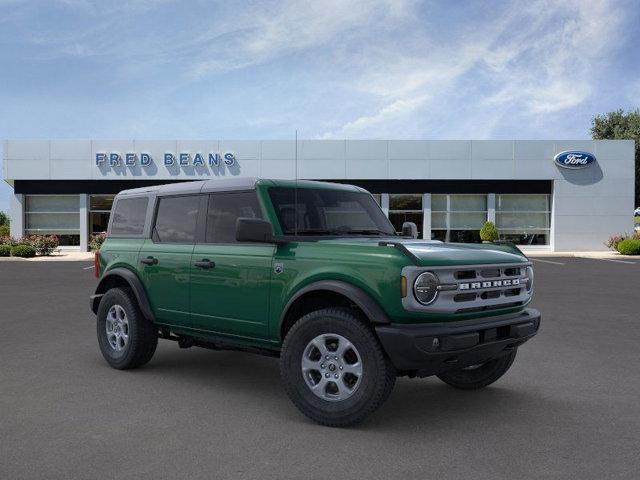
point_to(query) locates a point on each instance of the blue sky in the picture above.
(330, 69)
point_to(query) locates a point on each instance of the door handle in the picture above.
(204, 263)
(149, 260)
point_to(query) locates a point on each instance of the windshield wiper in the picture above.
(365, 232)
(340, 231)
(312, 231)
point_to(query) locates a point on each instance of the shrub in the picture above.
(5, 250)
(489, 232)
(43, 244)
(23, 250)
(4, 218)
(629, 246)
(613, 241)
(96, 241)
(4, 230)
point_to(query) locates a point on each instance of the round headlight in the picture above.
(425, 288)
(529, 281)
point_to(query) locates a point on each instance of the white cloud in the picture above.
(293, 26)
(391, 65)
(396, 109)
(541, 57)
(552, 65)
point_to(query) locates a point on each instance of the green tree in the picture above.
(4, 218)
(620, 125)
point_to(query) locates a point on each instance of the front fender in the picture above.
(362, 299)
(116, 277)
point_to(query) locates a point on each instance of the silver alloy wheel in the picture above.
(117, 327)
(332, 367)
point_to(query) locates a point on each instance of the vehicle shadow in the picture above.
(414, 402)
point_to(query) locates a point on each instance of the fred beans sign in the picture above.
(169, 159)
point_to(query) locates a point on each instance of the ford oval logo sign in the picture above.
(574, 159)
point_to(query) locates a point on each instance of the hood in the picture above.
(435, 253)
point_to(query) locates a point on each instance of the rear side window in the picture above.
(224, 209)
(129, 215)
(176, 219)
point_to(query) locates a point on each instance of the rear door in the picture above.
(230, 281)
(165, 259)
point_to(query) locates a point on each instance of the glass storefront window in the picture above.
(53, 215)
(524, 219)
(99, 211)
(411, 201)
(101, 202)
(458, 217)
(406, 208)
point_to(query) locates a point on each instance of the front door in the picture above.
(230, 281)
(165, 259)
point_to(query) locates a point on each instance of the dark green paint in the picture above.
(243, 298)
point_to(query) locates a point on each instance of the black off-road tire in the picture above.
(378, 376)
(143, 336)
(479, 377)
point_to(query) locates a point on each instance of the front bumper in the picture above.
(429, 349)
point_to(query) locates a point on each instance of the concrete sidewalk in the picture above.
(608, 254)
(63, 255)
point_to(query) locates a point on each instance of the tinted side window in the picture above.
(176, 219)
(224, 209)
(129, 215)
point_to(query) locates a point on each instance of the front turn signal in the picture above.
(403, 286)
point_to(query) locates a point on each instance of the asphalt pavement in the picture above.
(568, 408)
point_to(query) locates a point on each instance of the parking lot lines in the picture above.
(546, 261)
(574, 380)
(613, 260)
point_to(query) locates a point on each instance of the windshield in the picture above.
(328, 212)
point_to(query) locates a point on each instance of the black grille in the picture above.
(514, 292)
(490, 273)
(464, 297)
(465, 274)
(491, 294)
(488, 307)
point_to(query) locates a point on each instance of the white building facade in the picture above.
(551, 195)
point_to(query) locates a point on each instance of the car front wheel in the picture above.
(334, 369)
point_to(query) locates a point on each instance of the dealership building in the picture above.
(554, 195)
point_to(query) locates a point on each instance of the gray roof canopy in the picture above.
(200, 186)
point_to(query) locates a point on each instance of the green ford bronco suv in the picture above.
(313, 273)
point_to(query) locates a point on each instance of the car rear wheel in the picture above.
(479, 376)
(334, 369)
(127, 339)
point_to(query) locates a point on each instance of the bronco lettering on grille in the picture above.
(491, 284)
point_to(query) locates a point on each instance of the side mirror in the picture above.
(409, 229)
(253, 230)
